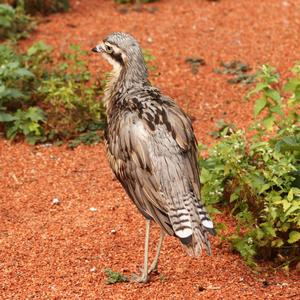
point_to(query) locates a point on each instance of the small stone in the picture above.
(265, 283)
(55, 201)
(113, 231)
(201, 288)
(285, 3)
(46, 145)
(93, 209)
(149, 39)
(93, 269)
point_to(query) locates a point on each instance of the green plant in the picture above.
(65, 93)
(195, 63)
(238, 70)
(114, 277)
(14, 23)
(27, 122)
(74, 106)
(16, 82)
(259, 177)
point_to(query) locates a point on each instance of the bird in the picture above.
(152, 150)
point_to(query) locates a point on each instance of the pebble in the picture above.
(55, 201)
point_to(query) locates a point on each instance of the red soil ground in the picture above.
(60, 251)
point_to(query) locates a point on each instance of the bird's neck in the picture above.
(121, 80)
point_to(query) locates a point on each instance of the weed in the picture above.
(237, 69)
(114, 277)
(195, 63)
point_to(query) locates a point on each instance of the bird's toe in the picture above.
(143, 278)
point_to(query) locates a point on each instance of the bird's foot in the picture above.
(143, 278)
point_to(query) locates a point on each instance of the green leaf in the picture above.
(277, 243)
(290, 195)
(294, 237)
(38, 47)
(6, 117)
(22, 72)
(12, 93)
(259, 87)
(36, 114)
(277, 109)
(268, 122)
(11, 132)
(291, 85)
(205, 175)
(234, 197)
(286, 205)
(268, 228)
(264, 187)
(260, 104)
(295, 206)
(273, 94)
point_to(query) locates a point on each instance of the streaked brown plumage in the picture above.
(152, 149)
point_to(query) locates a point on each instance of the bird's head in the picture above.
(123, 52)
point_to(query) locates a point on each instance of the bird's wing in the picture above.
(154, 154)
(182, 131)
(129, 156)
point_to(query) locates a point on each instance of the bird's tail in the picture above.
(191, 225)
(199, 241)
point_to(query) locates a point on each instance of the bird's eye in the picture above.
(109, 49)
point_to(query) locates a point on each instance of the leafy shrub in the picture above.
(259, 177)
(50, 102)
(71, 104)
(28, 123)
(14, 23)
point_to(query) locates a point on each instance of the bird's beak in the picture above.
(98, 49)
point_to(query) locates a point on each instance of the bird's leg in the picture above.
(154, 264)
(144, 276)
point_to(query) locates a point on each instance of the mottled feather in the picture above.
(152, 148)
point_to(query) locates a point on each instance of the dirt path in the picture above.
(59, 251)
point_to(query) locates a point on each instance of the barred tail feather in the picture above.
(191, 225)
(204, 218)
